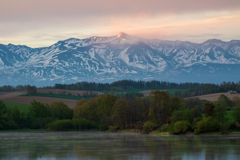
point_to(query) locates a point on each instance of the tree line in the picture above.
(159, 111)
(124, 85)
(190, 89)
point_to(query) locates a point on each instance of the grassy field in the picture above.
(22, 107)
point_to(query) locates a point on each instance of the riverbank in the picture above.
(167, 133)
(156, 132)
(24, 130)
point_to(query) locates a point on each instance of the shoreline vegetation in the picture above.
(157, 113)
(184, 90)
(155, 132)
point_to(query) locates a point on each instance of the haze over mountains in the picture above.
(107, 59)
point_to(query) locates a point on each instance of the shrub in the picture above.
(39, 123)
(83, 124)
(195, 120)
(225, 127)
(163, 128)
(60, 125)
(208, 124)
(148, 127)
(102, 127)
(180, 127)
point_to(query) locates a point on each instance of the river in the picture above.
(116, 146)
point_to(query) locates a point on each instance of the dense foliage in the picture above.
(159, 111)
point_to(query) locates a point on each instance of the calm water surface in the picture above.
(117, 146)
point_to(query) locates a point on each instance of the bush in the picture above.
(163, 128)
(208, 124)
(225, 127)
(102, 127)
(40, 123)
(83, 124)
(180, 127)
(60, 125)
(148, 127)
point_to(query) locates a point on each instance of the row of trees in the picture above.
(124, 85)
(196, 88)
(8, 88)
(158, 111)
(37, 117)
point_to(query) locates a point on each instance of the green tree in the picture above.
(225, 101)
(105, 105)
(236, 114)
(78, 104)
(60, 110)
(31, 89)
(3, 109)
(192, 102)
(16, 115)
(220, 112)
(161, 106)
(39, 110)
(119, 113)
(5, 122)
(208, 109)
(176, 103)
(137, 108)
(88, 110)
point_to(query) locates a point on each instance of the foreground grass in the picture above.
(21, 107)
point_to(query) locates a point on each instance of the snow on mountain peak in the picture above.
(120, 54)
(123, 35)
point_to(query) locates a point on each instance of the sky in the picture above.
(40, 23)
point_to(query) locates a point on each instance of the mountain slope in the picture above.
(117, 57)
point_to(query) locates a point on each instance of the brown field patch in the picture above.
(214, 96)
(16, 98)
(11, 94)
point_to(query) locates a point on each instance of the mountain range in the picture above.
(107, 59)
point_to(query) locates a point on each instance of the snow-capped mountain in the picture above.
(106, 59)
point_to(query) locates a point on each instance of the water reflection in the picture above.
(119, 146)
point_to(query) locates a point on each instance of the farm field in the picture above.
(15, 97)
(214, 96)
(11, 94)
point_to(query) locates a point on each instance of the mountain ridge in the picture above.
(120, 57)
